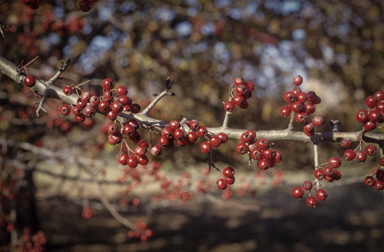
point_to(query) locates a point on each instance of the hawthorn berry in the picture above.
(229, 106)
(298, 192)
(192, 137)
(262, 143)
(298, 80)
(375, 115)
(370, 150)
(250, 86)
(349, 154)
(117, 106)
(121, 90)
(241, 148)
(202, 131)
(278, 157)
(125, 100)
(319, 174)
(164, 141)
(77, 110)
(371, 101)
(321, 195)
(328, 171)
(143, 143)
(289, 97)
(301, 97)
(269, 153)
(361, 156)
(194, 124)
(94, 101)
(65, 110)
(108, 84)
(128, 129)
(135, 124)
(311, 96)
(221, 184)
(228, 172)
(80, 118)
(143, 160)
(379, 95)
(229, 180)
(317, 100)
(311, 202)
(380, 175)
(112, 115)
(369, 181)
(215, 141)
(238, 100)
(310, 108)
(135, 108)
(29, 81)
(183, 141)
(205, 147)
(361, 116)
(382, 161)
(370, 125)
(285, 111)
(296, 106)
(140, 151)
(67, 90)
(89, 111)
(156, 150)
(241, 89)
(263, 164)
(346, 142)
(223, 137)
(132, 161)
(238, 81)
(108, 95)
(379, 185)
(307, 185)
(85, 6)
(334, 162)
(167, 132)
(318, 121)
(174, 124)
(104, 106)
(178, 133)
(301, 117)
(336, 175)
(308, 127)
(257, 154)
(123, 158)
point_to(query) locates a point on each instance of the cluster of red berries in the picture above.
(374, 113)
(360, 155)
(86, 5)
(142, 231)
(228, 179)
(33, 4)
(303, 104)
(243, 90)
(260, 150)
(88, 102)
(328, 173)
(378, 184)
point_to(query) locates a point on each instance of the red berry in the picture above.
(238, 81)
(241, 89)
(108, 84)
(361, 156)
(65, 110)
(349, 154)
(205, 147)
(77, 110)
(132, 161)
(135, 124)
(178, 133)
(368, 126)
(156, 150)
(285, 111)
(128, 129)
(247, 136)
(379, 185)
(80, 118)
(289, 97)
(382, 161)
(167, 132)
(125, 100)
(298, 80)
(230, 180)
(301, 117)
(194, 124)
(298, 192)
(117, 106)
(143, 160)
(296, 90)
(192, 137)
(29, 81)
(67, 90)
(94, 101)
(143, 143)
(112, 115)
(241, 148)
(380, 175)
(328, 171)
(104, 106)
(238, 100)
(308, 127)
(228, 172)
(135, 108)
(183, 141)
(379, 95)
(370, 150)
(321, 195)
(123, 158)
(318, 121)
(229, 106)
(311, 202)
(301, 97)
(269, 154)
(262, 144)
(250, 86)
(310, 108)
(319, 174)
(317, 100)
(361, 116)
(371, 101)
(164, 141)
(311, 96)
(278, 157)
(307, 185)
(375, 115)
(336, 175)
(334, 162)
(140, 151)
(346, 142)
(85, 6)
(369, 181)
(223, 137)
(122, 91)
(174, 124)
(215, 141)
(221, 184)
(263, 164)
(257, 154)
(108, 95)
(296, 106)
(202, 131)
(89, 111)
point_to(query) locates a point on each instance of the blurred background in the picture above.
(337, 46)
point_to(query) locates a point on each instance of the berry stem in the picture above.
(82, 83)
(291, 121)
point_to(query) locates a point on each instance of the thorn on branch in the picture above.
(335, 124)
(155, 95)
(41, 103)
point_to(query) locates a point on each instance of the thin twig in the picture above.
(155, 101)
(316, 160)
(63, 67)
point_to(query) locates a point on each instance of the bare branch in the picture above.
(316, 160)
(291, 121)
(155, 101)
(63, 67)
